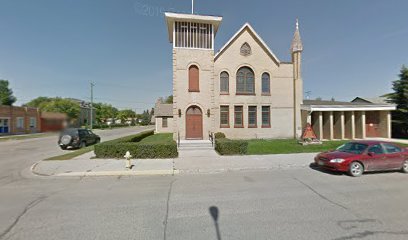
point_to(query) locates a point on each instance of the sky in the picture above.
(57, 47)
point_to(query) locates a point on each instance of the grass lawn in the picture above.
(72, 153)
(283, 146)
(158, 138)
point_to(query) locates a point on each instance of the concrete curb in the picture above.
(32, 169)
(105, 173)
(118, 173)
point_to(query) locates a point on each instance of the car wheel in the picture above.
(83, 144)
(98, 141)
(63, 147)
(405, 166)
(356, 169)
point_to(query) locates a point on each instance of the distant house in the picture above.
(52, 122)
(163, 117)
(19, 120)
(85, 113)
(374, 100)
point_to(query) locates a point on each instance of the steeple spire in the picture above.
(297, 45)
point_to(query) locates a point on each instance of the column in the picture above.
(363, 124)
(389, 124)
(342, 127)
(331, 122)
(353, 126)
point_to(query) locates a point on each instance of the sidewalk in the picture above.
(189, 162)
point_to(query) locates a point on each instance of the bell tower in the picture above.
(296, 50)
(192, 37)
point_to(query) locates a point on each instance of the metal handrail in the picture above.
(211, 137)
(178, 139)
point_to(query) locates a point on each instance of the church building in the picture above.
(244, 90)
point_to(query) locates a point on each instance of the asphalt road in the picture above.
(293, 203)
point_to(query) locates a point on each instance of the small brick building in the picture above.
(19, 120)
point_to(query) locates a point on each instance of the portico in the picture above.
(345, 120)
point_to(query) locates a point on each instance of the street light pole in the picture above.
(92, 85)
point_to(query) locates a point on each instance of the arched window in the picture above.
(193, 79)
(224, 82)
(266, 83)
(245, 81)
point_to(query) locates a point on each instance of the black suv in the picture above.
(77, 138)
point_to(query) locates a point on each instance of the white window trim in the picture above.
(18, 122)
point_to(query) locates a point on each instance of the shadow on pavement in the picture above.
(214, 214)
(317, 168)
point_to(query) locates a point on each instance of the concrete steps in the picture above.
(186, 145)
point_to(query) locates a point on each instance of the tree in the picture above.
(104, 111)
(6, 94)
(39, 102)
(145, 117)
(61, 105)
(169, 99)
(400, 98)
(126, 114)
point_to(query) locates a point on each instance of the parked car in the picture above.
(77, 138)
(357, 157)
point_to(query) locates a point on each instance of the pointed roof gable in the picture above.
(248, 27)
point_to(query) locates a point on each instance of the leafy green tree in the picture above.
(39, 102)
(400, 98)
(6, 94)
(145, 118)
(126, 114)
(61, 105)
(104, 111)
(169, 99)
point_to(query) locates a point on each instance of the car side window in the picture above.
(376, 149)
(90, 132)
(389, 148)
(82, 133)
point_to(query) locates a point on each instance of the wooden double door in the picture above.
(194, 123)
(373, 124)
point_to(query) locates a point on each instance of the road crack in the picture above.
(321, 195)
(167, 209)
(26, 209)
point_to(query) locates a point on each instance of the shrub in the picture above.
(139, 151)
(118, 147)
(219, 135)
(231, 147)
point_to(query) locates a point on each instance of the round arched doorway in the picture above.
(194, 123)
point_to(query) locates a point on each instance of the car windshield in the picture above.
(353, 147)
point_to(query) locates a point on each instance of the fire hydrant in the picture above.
(128, 157)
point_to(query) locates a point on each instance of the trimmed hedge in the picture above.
(219, 135)
(226, 146)
(118, 147)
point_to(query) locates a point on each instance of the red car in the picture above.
(357, 157)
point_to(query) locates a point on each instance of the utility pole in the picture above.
(92, 85)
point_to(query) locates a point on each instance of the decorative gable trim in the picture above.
(245, 49)
(257, 38)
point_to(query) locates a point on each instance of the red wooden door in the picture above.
(194, 123)
(372, 124)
